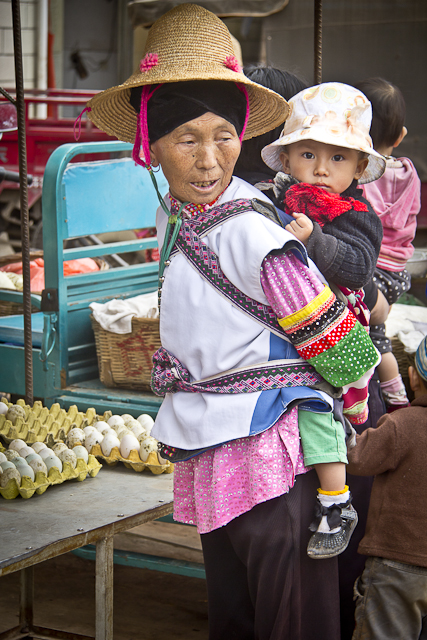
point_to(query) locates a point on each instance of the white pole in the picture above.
(42, 31)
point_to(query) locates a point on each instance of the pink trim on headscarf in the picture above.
(79, 120)
(243, 89)
(148, 62)
(141, 148)
(232, 63)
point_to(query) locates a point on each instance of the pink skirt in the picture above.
(215, 487)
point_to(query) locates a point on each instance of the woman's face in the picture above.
(198, 158)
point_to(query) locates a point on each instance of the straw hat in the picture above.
(332, 113)
(187, 43)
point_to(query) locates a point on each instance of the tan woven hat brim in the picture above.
(190, 43)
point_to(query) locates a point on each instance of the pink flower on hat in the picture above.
(232, 63)
(148, 62)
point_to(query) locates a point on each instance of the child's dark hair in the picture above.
(388, 110)
(285, 84)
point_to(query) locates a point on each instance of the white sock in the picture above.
(328, 501)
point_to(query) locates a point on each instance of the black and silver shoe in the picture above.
(326, 545)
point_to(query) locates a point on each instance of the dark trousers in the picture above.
(261, 583)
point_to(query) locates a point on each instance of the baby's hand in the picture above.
(301, 227)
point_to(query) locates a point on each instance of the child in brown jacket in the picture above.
(392, 591)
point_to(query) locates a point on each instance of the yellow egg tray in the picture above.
(45, 425)
(52, 425)
(133, 461)
(42, 481)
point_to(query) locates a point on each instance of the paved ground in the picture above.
(148, 605)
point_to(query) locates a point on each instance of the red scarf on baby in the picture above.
(317, 204)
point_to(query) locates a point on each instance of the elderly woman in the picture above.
(240, 309)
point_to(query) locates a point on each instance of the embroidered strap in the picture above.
(205, 261)
(169, 376)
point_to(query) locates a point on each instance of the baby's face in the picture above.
(324, 165)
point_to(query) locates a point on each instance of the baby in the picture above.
(321, 155)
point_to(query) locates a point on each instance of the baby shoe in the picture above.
(326, 545)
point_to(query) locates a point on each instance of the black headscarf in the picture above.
(176, 103)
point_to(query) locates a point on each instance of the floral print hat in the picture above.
(332, 113)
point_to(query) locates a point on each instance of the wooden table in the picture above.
(67, 517)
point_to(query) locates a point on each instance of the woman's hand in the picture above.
(301, 227)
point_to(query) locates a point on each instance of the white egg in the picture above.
(138, 429)
(115, 420)
(53, 461)
(93, 438)
(122, 431)
(11, 454)
(17, 444)
(38, 465)
(132, 423)
(146, 421)
(7, 464)
(8, 474)
(148, 445)
(45, 453)
(126, 417)
(25, 451)
(88, 430)
(102, 426)
(38, 446)
(110, 440)
(75, 436)
(127, 444)
(33, 456)
(81, 452)
(76, 431)
(2, 457)
(25, 470)
(3, 408)
(68, 455)
(59, 446)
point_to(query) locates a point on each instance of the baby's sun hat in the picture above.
(186, 43)
(332, 113)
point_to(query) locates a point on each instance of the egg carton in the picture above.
(45, 425)
(133, 461)
(52, 425)
(42, 481)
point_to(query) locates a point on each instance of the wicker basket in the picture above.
(125, 359)
(15, 308)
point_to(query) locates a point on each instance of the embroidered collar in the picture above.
(192, 209)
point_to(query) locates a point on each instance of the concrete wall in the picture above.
(90, 31)
(29, 43)
(361, 39)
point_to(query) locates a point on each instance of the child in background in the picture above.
(396, 198)
(324, 150)
(392, 591)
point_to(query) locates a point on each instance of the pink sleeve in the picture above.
(288, 284)
(322, 329)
